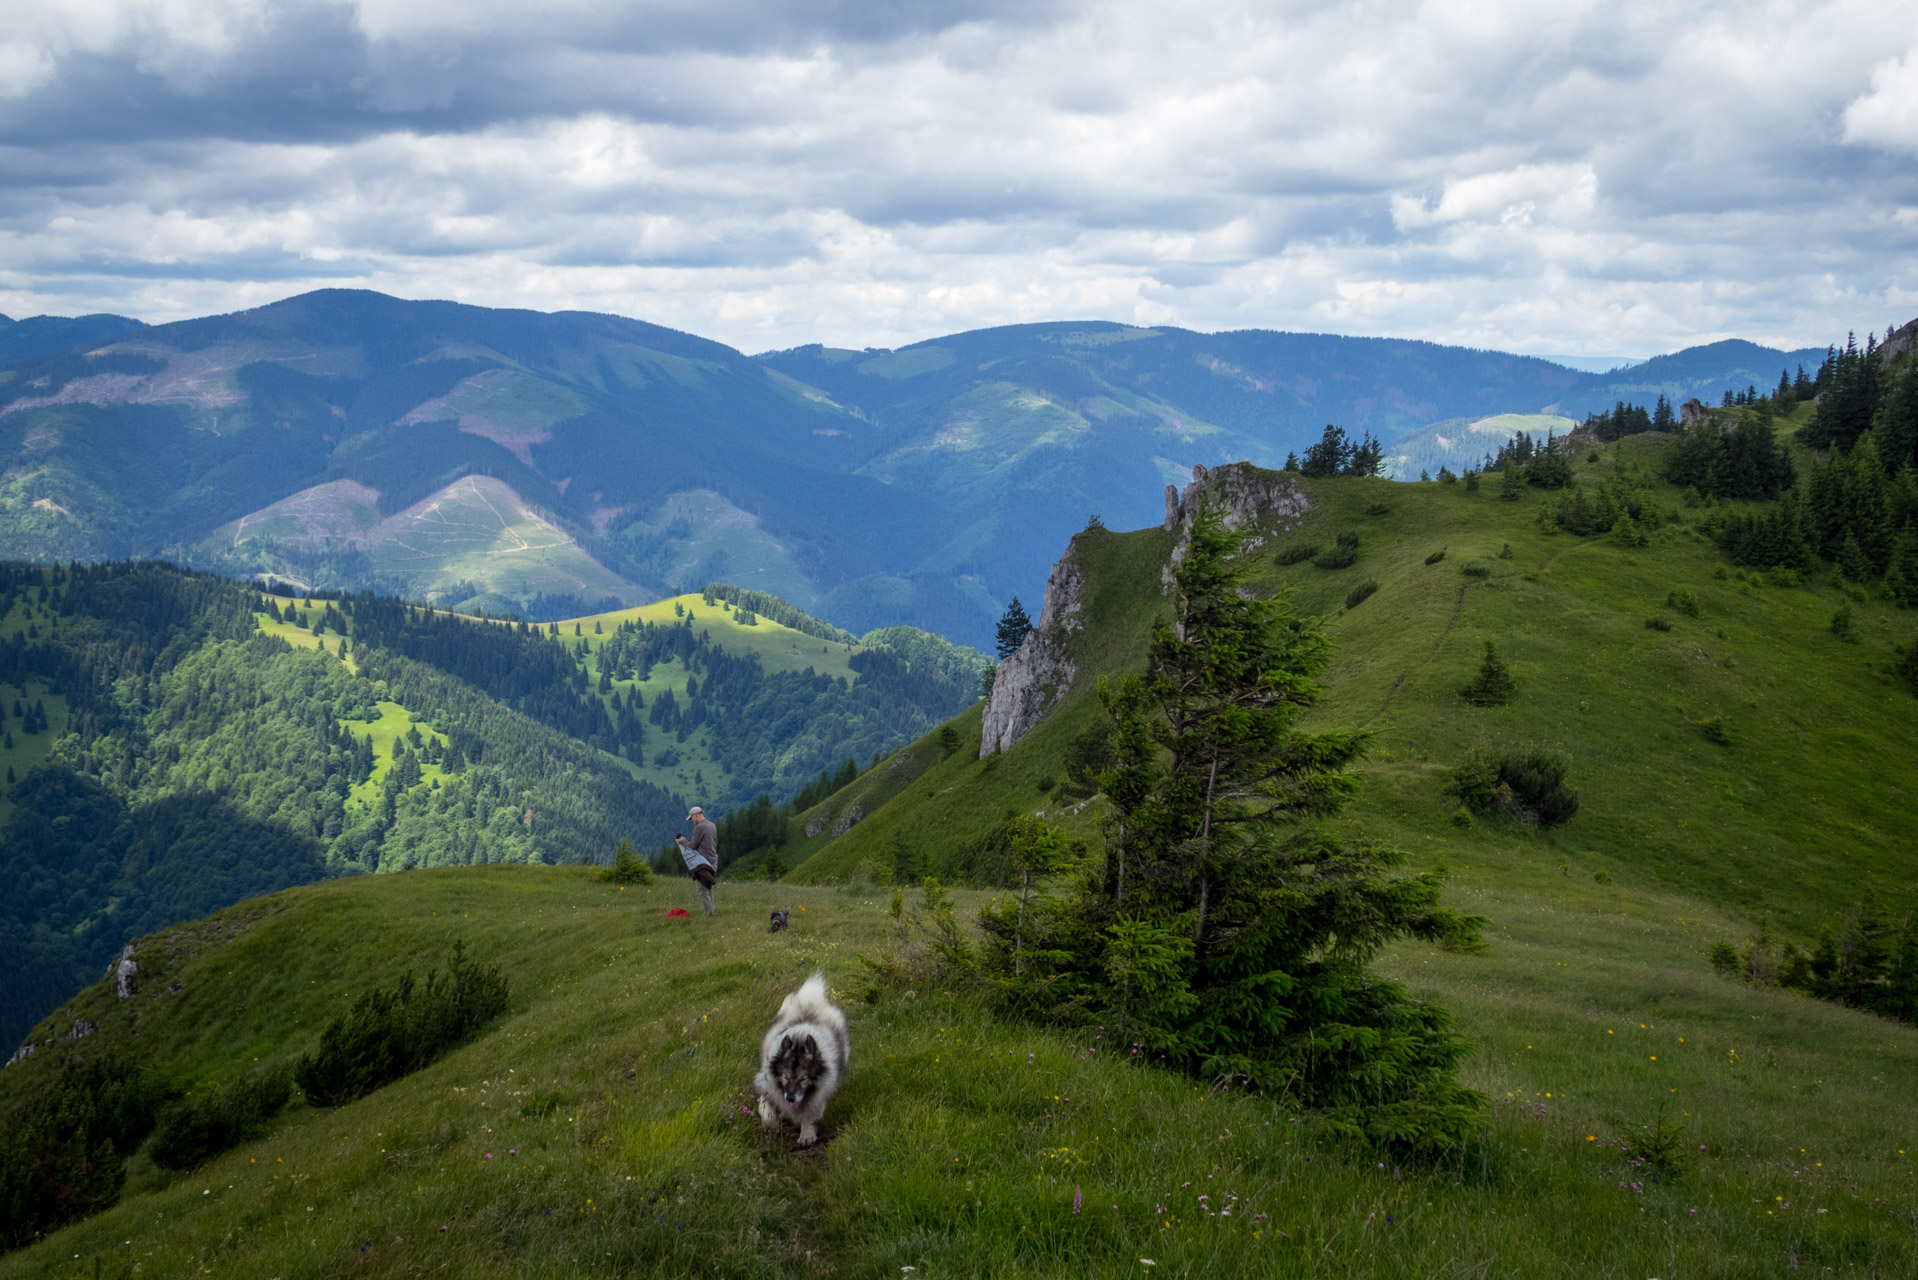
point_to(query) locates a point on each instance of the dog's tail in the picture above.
(811, 1002)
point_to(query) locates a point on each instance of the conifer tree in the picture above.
(1508, 489)
(1237, 938)
(1014, 626)
(1494, 684)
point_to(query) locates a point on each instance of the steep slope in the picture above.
(1775, 821)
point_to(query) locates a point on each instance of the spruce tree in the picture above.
(1014, 625)
(1232, 934)
(1493, 685)
(1509, 489)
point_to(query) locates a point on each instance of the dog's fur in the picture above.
(802, 1060)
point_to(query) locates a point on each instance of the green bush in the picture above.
(628, 867)
(1843, 626)
(1683, 601)
(1339, 557)
(1349, 540)
(390, 1034)
(1476, 569)
(65, 1139)
(1657, 624)
(1436, 556)
(1297, 554)
(1527, 785)
(1376, 509)
(201, 1126)
(1725, 959)
(1907, 667)
(1360, 594)
(1715, 732)
(1549, 470)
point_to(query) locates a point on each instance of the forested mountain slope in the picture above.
(556, 464)
(174, 742)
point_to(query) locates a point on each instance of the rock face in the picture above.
(1242, 494)
(125, 972)
(1032, 680)
(1898, 341)
(1691, 412)
(1038, 674)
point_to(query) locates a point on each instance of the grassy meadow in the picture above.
(601, 1127)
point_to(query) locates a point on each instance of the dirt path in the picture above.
(1458, 611)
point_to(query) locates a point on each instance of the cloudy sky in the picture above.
(1613, 178)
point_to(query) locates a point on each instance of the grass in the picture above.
(610, 1101)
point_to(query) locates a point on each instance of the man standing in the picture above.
(701, 854)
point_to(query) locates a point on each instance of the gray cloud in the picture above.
(1593, 177)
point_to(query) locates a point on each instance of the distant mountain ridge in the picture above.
(557, 464)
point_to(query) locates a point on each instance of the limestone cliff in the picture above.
(1033, 679)
(1040, 671)
(1242, 494)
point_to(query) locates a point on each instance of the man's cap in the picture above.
(695, 809)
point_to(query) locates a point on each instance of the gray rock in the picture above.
(1242, 494)
(125, 973)
(1033, 678)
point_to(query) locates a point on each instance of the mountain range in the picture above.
(548, 465)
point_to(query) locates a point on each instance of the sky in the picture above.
(1582, 178)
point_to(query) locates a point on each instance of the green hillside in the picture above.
(173, 743)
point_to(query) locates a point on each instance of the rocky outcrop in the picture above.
(1039, 672)
(1691, 413)
(124, 973)
(1898, 341)
(1242, 494)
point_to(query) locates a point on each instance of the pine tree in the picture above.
(1291, 461)
(1852, 561)
(1494, 684)
(1014, 625)
(1663, 419)
(1508, 489)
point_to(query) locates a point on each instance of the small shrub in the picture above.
(1907, 667)
(1436, 556)
(1296, 554)
(201, 1126)
(1684, 601)
(1592, 456)
(1660, 1149)
(1471, 482)
(1493, 685)
(1360, 594)
(1715, 731)
(1446, 477)
(1783, 577)
(1725, 959)
(1549, 470)
(1842, 625)
(1376, 509)
(948, 740)
(390, 1034)
(1349, 540)
(1339, 557)
(773, 868)
(1462, 818)
(628, 867)
(1529, 785)
(1476, 569)
(1505, 552)
(1601, 876)
(1046, 784)
(1657, 624)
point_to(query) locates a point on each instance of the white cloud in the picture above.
(1590, 176)
(1888, 115)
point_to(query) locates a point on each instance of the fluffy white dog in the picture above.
(802, 1060)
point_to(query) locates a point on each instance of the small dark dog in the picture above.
(779, 922)
(802, 1060)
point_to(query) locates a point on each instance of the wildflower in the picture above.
(1149, 1262)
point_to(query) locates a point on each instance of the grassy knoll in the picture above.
(610, 1103)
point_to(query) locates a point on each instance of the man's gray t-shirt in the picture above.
(703, 843)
